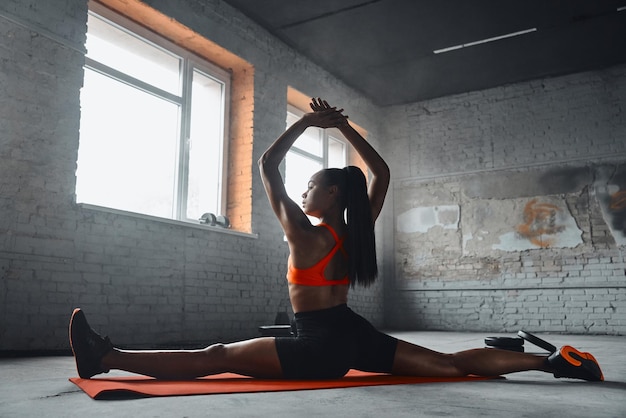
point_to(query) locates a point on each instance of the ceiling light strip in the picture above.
(621, 9)
(484, 41)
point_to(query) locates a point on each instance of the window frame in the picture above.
(190, 63)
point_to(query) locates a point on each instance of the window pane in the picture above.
(118, 49)
(205, 146)
(291, 119)
(310, 141)
(298, 172)
(127, 153)
(336, 153)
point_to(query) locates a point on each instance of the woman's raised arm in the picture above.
(377, 189)
(288, 212)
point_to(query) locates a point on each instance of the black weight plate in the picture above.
(537, 341)
(275, 330)
(504, 341)
(519, 348)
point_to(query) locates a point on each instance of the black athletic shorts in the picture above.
(330, 342)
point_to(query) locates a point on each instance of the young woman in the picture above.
(325, 261)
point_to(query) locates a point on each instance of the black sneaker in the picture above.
(88, 347)
(569, 362)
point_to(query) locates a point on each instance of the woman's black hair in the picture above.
(360, 242)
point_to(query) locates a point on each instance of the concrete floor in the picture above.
(38, 387)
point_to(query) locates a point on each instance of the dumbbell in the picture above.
(212, 220)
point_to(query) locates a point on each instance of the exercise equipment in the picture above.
(505, 343)
(517, 343)
(129, 387)
(212, 220)
(283, 327)
(536, 341)
(275, 331)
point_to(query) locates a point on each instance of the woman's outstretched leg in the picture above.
(256, 358)
(411, 359)
(94, 355)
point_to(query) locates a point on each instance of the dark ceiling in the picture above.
(384, 48)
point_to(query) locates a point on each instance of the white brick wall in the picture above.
(141, 281)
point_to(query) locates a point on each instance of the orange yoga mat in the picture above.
(101, 388)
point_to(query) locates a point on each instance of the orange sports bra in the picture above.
(314, 276)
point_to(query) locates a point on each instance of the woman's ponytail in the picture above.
(361, 240)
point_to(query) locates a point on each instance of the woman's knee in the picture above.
(449, 364)
(416, 360)
(216, 353)
(466, 361)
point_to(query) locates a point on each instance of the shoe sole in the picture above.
(84, 370)
(74, 313)
(579, 359)
(72, 319)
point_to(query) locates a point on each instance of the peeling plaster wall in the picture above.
(610, 190)
(509, 208)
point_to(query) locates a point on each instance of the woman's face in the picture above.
(318, 197)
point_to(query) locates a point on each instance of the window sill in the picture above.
(198, 225)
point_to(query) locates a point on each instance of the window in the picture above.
(314, 150)
(153, 124)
